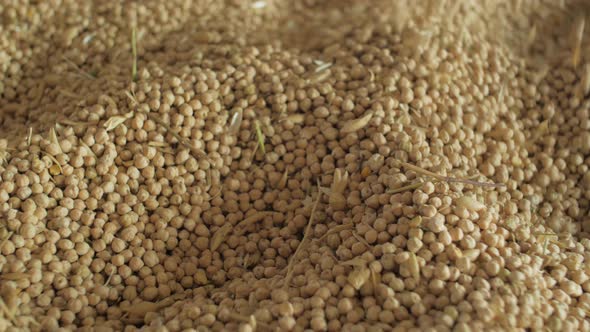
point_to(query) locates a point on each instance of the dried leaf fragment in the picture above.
(337, 199)
(471, 254)
(531, 36)
(87, 148)
(361, 239)
(53, 138)
(131, 96)
(106, 283)
(413, 266)
(501, 95)
(470, 203)
(182, 140)
(321, 65)
(352, 126)
(220, 236)
(55, 168)
(337, 229)
(584, 87)
(3, 156)
(134, 53)
(404, 188)
(375, 276)
(74, 123)
(142, 308)
(357, 262)
(256, 217)
(158, 144)
(29, 136)
(260, 136)
(10, 314)
(82, 72)
(359, 277)
(14, 276)
(577, 36)
(114, 121)
(283, 181)
(246, 262)
(541, 73)
(540, 131)
(420, 170)
(319, 76)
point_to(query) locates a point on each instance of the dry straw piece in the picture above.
(577, 36)
(439, 177)
(283, 181)
(584, 87)
(303, 243)
(134, 53)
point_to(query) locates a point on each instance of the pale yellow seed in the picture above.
(235, 121)
(295, 118)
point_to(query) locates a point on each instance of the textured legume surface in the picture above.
(283, 165)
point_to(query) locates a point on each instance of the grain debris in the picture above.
(352, 126)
